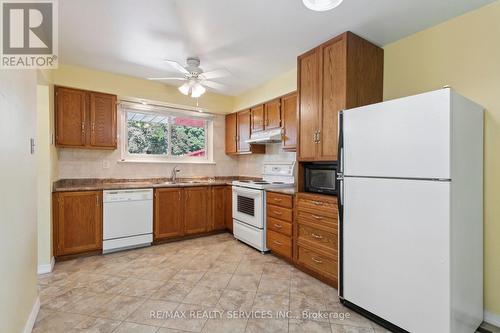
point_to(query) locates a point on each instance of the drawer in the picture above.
(278, 212)
(282, 227)
(278, 199)
(317, 218)
(318, 204)
(317, 237)
(279, 244)
(317, 262)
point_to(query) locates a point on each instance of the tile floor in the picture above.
(210, 280)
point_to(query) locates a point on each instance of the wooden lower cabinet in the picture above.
(168, 213)
(196, 210)
(229, 208)
(316, 236)
(279, 216)
(218, 210)
(77, 226)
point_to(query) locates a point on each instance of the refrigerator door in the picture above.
(407, 138)
(395, 251)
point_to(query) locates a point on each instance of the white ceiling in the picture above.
(254, 39)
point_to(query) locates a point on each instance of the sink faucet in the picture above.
(173, 175)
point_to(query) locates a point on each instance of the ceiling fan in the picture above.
(196, 79)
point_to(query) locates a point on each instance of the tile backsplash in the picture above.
(82, 163)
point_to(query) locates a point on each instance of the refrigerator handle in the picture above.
(340, 184)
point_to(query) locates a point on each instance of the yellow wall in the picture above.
(127, 86)
(464, 53)
(280, 85)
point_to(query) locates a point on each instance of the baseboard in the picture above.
(492, 318)
(46, 268)
(32, 318)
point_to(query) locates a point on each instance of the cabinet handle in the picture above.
(314, 137)
(317, 260)
(279, 226)
(278, 243)
(317, 217)
(97, 200)
(83, 127)
(317, 236)
(277, 199)
(93, 127)
(319, 137)
(277, 213)
(318, 203)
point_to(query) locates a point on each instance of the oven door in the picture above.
(248, 206)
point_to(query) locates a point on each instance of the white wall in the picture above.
(18, 199)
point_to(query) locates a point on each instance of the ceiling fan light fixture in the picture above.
(321, 5)
(198, 90)
(185, 88)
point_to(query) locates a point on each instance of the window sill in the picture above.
(165, 162)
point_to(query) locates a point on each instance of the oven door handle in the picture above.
(242, 190)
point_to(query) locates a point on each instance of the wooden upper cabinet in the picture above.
(309, 89)
(102, 120)
(196, 209)
(77, 222)
(231, 134)
(85, 119)
(243, 130)
(289, 121)
(272, 114)
(257, 116)
(168, 213)
(70, 108)
(342, 73)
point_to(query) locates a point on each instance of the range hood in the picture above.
(268, 136)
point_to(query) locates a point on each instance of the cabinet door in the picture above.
(168, 213)
(273, 114)
(229, 208)
(218, 207)
(243, 130)
(78, 222)
(308, 104)
(333, 96)
(102, 120)
(70, 108)
(289, 119)
(231, 134)
(257, 114)
(195, 210)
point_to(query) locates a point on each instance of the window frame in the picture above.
(126, 156)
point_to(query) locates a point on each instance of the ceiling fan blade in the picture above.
(216, 74)
(166, 78)
(214, 85)
(177, 66)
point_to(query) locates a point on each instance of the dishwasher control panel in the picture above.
(127, 195)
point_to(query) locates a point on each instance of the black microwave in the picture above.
(321, 178)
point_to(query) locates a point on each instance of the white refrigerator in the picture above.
(411, 213)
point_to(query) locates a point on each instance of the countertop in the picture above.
(98, 184)
(286, 190)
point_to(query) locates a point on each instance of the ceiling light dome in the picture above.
(321, 5)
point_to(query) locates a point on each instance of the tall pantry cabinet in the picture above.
(342, 73)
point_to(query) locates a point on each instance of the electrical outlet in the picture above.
(105, 164)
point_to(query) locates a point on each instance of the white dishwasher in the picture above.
(128, 219)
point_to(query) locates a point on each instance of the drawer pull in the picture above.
(318, 217)
(278, 213)
(317, 236)
(277, 199)
(279, 226)
(317, 260)
(318, 203)
(278, 243)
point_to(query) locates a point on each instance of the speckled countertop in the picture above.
(97, 184)
(286, 190)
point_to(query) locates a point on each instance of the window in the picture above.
(164, 134)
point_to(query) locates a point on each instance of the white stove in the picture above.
(249, 202)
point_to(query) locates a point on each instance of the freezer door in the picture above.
(407, 138)
(395, 251)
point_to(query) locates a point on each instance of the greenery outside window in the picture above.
(164, 136)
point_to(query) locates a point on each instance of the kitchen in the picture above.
(158, 194)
